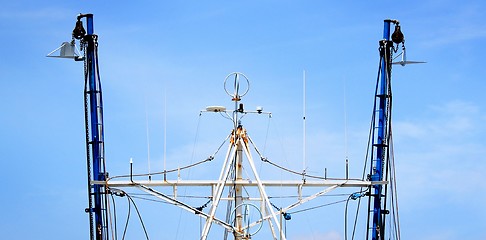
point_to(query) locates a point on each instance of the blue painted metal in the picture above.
(96, 141)
(380, 135)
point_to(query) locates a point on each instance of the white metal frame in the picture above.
(238, 147)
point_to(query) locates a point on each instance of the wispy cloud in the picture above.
(436, 150)
(461, 25)
(47, 13)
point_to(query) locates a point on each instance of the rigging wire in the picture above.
(139, 216)
(318, 206)
(264, 159)
(305, 196)
(367, 155)
(115, 235)
(196, 137)
(346, 219)
(304, 129)
(394, 196)
(354, 196)
(265, 142)
(165, 124)
(128, 219)
(121, 193)
(182, 196)
(109, 217)
(148, 138)
(345, 130)
(210, 158)
(392, 172)
(104, 199)
(152, 200)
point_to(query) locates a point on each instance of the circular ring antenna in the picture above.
(236, 76)
(251, 218)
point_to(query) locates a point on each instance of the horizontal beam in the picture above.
(249, 183)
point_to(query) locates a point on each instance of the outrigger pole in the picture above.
(95, 153)
(381, 132)
(93, 110)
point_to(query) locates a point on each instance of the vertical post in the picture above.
(380, 136)
(96, 141)
(238, 188)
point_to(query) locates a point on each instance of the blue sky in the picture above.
(166, 60)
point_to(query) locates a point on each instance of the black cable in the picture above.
(353, 196)
(346, 219)
(139, 217)
(128, 218)
(356, 218)
(114, 215)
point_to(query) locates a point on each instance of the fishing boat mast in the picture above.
(93, 110)
(382, 132)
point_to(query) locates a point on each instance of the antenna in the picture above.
(346, 131)
(304, 127)
(148, 139)
(165, 128)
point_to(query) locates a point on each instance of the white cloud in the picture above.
(454, 119)
(458, 26)
(441, 153)
(47, 13)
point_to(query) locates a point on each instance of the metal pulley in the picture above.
(78, 31)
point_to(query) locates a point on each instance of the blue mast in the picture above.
(381, 124)
(94, 129)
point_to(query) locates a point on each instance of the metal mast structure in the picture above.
(95, 153)
(93, 110)
(381, 132)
